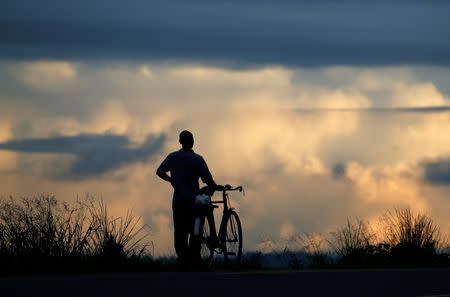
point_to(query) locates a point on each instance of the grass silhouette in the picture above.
(354, 243)
(406, 240)
(41, 234)
(414, 239)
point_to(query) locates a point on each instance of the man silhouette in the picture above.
(186, 167)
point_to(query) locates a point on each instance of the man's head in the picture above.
(186, 139)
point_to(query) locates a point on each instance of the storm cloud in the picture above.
(95, 154)
(237, 33)
(338, 170)
(437, 172)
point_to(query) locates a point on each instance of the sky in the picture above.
(323, 111)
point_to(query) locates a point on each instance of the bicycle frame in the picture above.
(226, 210)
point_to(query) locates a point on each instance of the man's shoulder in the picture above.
(190, 154)
(198, 156)
(170, 155)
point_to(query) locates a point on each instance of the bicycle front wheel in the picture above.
(233, 239)
(207, 244)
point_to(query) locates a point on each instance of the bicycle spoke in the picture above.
(207, 245)
(233, 239)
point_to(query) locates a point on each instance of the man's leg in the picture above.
(181, 219)
(194, 240)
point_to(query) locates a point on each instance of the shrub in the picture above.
(42, 229)
(41, 226)
(354, 243)
(120, 237)
(414, 238)
(314, 254)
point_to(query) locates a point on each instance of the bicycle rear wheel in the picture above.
(207, 244)
(232, 249)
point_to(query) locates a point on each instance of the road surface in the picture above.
(414, 283)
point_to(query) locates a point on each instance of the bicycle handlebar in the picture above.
(228, 188)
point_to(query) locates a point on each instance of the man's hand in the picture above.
(207, 190)
(163, 175)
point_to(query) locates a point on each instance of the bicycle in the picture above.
(228, 241)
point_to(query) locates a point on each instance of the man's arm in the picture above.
(163, 175)
(210, 182)
(163, 169)
(206, 177)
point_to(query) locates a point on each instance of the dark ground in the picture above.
(412, 282)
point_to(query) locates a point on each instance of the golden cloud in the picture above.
(260, 127)
(48, 75)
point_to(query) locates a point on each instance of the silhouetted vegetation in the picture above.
(41, 233)
(413, 238)
(353, 243)
(406, 240)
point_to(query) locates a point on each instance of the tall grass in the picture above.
(405, 239)
(353, 243)
(406, 229)
(43, 229)
(42, 226)
(42, 233)
(120, 237)
(414, 238)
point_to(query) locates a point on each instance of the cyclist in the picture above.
(186, 167)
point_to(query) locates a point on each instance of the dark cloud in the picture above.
(239, 33)
(437, 172)
(422, 109)
(95, 153)
(339, 170)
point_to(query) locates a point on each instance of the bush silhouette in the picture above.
(120, 237)
(414, 238)
(409, 240)
(38, 232)
(43, 234)
(353, 243)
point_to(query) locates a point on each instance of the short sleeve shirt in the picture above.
(186, 167)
